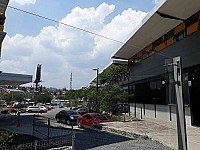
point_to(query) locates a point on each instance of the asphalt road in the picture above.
(84, 139)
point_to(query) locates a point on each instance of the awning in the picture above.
(153, 26)
(3, 5)
(2, 36)
(14, 79)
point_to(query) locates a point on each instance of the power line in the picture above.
(90, 32)
(30, 13)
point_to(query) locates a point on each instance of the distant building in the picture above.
(53, 88)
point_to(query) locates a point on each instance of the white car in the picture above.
(43, 109)
(36, 109)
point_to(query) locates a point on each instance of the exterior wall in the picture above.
(162, 112)
(188, 48)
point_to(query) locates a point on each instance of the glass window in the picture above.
(99, 117)
(178, 36)
(169, 35)
(72, 113)
(87, 116)
(158, 42)
(137, 60)
(153, 85)
(158, 84)
(151, 52)
(190, 21)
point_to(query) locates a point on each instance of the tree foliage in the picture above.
(13, 96)
(44, 97)
(5, 138)
(110, 93)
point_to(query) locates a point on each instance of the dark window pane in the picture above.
(151, 52)
(99, 117)
(158, 84)
(190, 21)
(169, 35)
(153, 85)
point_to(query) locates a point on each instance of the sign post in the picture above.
(181, 127)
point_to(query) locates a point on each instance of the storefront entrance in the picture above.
(195, 96)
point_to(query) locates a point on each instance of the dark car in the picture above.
(67, 116)
(75, 108)
(89, 119)
(83, 110)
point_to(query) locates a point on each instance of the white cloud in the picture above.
(24, 2)
(61, 49)
(156, 1)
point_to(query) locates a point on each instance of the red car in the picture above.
(89, 119)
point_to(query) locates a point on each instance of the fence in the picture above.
(42, 144)
(51, 133)
(44, 127)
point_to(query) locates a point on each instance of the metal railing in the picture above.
(43, 144)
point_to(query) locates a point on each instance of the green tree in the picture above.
(110, 92)
(5, 138)
(44, 97)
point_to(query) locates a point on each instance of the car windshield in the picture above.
(72, 113)
(99, 117)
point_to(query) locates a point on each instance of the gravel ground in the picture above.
(101, 141)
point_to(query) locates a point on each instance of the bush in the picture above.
(19, 106)
(5, 138)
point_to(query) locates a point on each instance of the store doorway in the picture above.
(195, 96)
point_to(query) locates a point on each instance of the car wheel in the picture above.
(79, 125)
(29, 111)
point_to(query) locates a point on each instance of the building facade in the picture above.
(167, 31)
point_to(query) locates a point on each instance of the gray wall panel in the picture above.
(188, 48)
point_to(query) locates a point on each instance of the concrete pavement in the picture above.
(162, 131)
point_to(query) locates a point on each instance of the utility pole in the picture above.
(71, 81)
(181, 126)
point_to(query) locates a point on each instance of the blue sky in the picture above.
(60, 49)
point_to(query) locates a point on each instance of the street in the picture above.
(84, 139)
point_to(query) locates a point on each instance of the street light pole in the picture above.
(97, 69)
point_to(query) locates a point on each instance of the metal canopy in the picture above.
(3, 5)
(14, 79)
(2, 36)
(154, 26)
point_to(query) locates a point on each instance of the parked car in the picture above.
(67, 116)
(36, 109)
(75, 108)
(89, 119)
(83, 110)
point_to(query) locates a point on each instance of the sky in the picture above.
(61, 49)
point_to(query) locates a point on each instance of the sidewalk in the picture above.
(162, 131)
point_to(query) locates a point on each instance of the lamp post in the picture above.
(97, 69)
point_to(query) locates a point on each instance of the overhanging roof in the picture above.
(154, 26)
(14, 79)
(2, 36)
(3, 5)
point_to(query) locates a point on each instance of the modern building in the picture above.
(3, 7)
(9, 78)
(171, 29)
